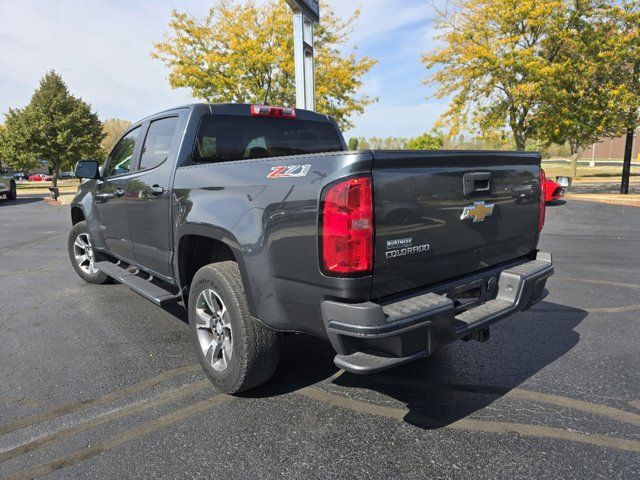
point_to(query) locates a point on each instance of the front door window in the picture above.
(121, 156)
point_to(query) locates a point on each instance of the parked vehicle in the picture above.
(66, 175)
(552, 190)
(21, 176)
(7, 185)
(40, 177)
(260, 221)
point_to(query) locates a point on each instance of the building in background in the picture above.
(611, 149)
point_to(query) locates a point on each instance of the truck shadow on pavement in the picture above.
(457, 381)
(19, 201)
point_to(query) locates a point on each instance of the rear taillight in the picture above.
(273, 112)
(346, 228)
(543, 200)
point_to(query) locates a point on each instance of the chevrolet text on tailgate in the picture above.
(260, 222)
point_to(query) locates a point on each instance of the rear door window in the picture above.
(223, 138)
(157, 144)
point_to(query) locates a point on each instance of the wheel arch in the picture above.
(200, 245)
(77, 215)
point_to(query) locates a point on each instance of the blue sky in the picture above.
(101, 48)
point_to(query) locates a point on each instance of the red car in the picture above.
(40, 177)
(552, 190)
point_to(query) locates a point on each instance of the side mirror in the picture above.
(87, 169)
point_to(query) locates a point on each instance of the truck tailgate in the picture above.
(440, 215)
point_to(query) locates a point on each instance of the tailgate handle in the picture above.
(477, 182)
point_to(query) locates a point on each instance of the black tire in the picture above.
(255, 349)
(88, 274)
(12, 192)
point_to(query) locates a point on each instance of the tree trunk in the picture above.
(574, 165)
(267, 93)
(56, 173)
(521, 143)
(626, 168)
(575, 148)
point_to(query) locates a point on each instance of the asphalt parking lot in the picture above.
(95, 382)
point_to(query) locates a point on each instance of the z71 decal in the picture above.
(292, 171)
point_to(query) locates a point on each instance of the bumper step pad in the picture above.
(429, 318)
(482, 312)
(414, 306)
(361, 362)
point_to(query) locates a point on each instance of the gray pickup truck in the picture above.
(260, 222)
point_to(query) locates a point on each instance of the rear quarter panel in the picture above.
(272, 227)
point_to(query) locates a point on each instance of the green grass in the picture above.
(588, 173)
(62, 184)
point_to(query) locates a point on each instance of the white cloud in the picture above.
(102, 47)
(397, 120)
(380, 17)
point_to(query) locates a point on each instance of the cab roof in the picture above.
(243, 109)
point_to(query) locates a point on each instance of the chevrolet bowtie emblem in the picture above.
(478, 211)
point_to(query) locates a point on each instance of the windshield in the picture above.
(226, 137)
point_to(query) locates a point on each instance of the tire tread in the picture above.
(261, 345)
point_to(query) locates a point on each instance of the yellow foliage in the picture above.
(492, 60)
(112, 129)
(622, 55)
(555, 71)
(242, 52)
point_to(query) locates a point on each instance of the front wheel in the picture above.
(235, 351)
(83, 256)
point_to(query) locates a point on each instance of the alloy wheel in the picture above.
(214, 329)
(83, 252)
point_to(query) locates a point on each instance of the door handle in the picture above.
(477, 182)
(156, 190)
(103, 197)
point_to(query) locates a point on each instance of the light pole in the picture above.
(305, 14)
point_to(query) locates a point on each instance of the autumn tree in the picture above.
(2, 147)
(498, 139)
(432, 140)
(386, 143)
(596, 91)
(112, 129)
(55, 126)
(576, 109)
(623, 57)
(242, 52)
(353, 143)
(493, 59)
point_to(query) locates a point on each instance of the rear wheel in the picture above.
(12, 192)
(235, 351)
(83, 256)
